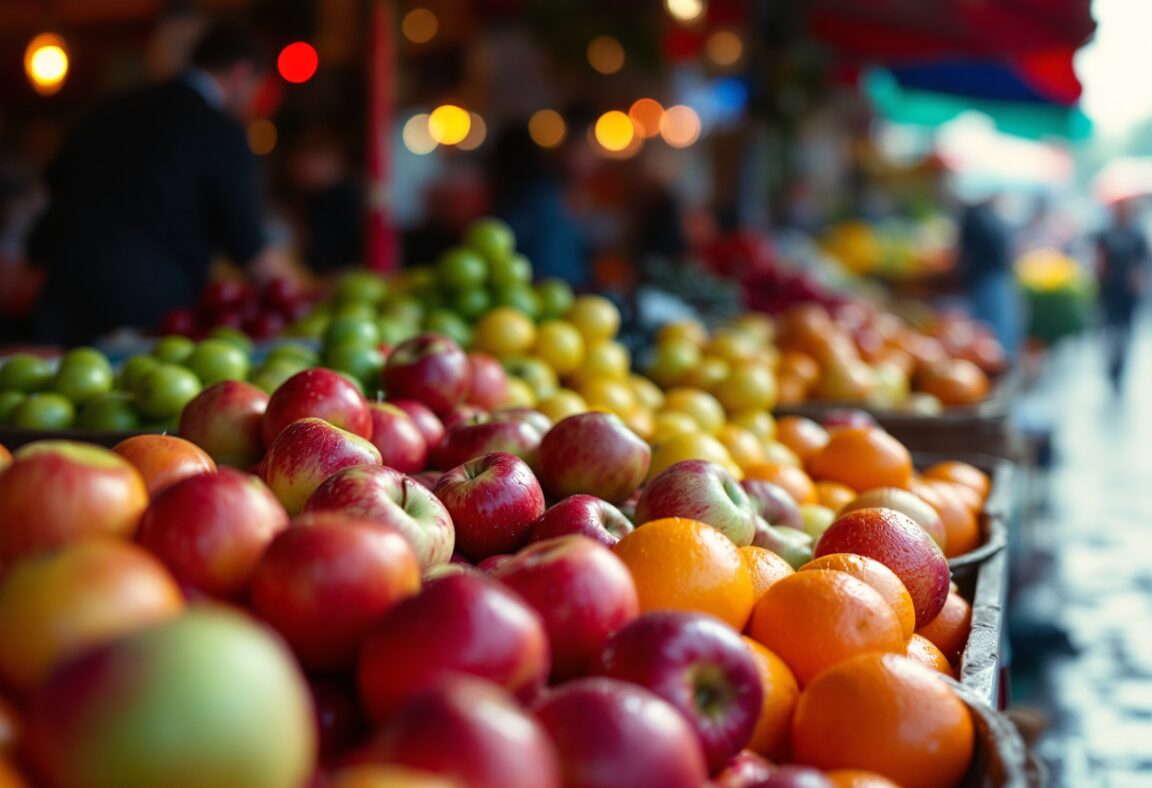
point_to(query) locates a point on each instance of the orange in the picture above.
(504, 331)
(961, 473)
(858, 778)
(700, 405)
(790, 390)
(690, 446)
(801, 366)
(765, 567)
(10, 777)
(778, 452)
(863, 458)
(877, 575)
(794, 481)
(834, 495)
(607, 394)
(770, 737)
(801, 435)
(733, 346)
(746, 449)
(815, 619)
(691, 330)
(924, 651)
(887, 714)
(5, 456)
(681, 564)
(164, 459)
(561, 345)
(955, 382)
(595, 317)
(971, 499)
(960, 524)
(950, 629)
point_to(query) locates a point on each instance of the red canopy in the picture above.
(914, 29)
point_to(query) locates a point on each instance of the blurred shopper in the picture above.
(146, 191)
(1121, 258)
(984, 263)
(328, 203)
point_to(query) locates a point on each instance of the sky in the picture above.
(1114, 68)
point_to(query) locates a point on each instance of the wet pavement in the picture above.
(1083, 560)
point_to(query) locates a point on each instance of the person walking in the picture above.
(147, 191)
(1121, 259)
(985, 266)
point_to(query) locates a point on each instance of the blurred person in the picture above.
(147, 190)
(329, 204)
(1121, 260)
(984, 264)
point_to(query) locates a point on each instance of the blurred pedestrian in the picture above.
(1121, 260)
(984, 263)
(147, 190)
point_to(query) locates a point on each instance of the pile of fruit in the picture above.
(433, 591)
(233, 304)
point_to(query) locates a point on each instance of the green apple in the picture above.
(272, 374)
(9, 400)
(310, 326)
(461, 268)
(361, 286)
(44, 411)
(393, 332)
(25, 372)
(555, 298)
(82, 376)
(450, 324)
(510, 271)
(402, 308)
(521, 297)
(536, 372)
(293, 351)
(352, 329)
(173, 349)
(354, 310)
(215, 360)
(164, 391)
(491, 237)
(111, 412)
(134, 369)
(233, 335)
(471, 304)
(87, 355)
(363, 362)
(816, 519)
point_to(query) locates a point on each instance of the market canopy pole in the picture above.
(381, 248)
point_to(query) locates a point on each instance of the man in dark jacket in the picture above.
(146, 192)
(1121, 259)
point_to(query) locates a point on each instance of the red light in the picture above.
(297, 62)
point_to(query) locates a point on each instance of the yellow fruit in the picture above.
(746, 449)
(647, 392)
(748, 387)
(757, 325)
(700, 405)
(691, 330)
(536, 372)
(691, 446)
(596, 317)
(641, 421)
(672, 422)
(778, 452)
(709, 371)
(561, 345)
(604, 360)
(732, 346)
(760, 423)
(520, 394)
(611, 395)
(504, 332)
(674, 358)
(562, 404)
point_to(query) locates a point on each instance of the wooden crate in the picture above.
(1000, 759)
(15, 437)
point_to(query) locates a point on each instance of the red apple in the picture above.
(319, 393)
(581, 590)
(427, 479)
(164, 459)
(323, 583)
(225, 421)
(490, 564)
(398, 439)
(847, 417)
(472, 732)
(905, 502)
(210, 530)
(700, 490)
(386, 496)
(340, 724)
(56, 492)
(614, 734)
(209, 698)
(528, 415)
(307, 452)
(593, 453)
(57, 603)
(583, 515)
(701, 666)
(462, 413)
(280, 294)
(430, 368)
(225, 293)
(489, 381)
(494, 501)
(459, 623)
(264, 325)
(182, 321)
(426, 421)
(895, 540)
(745, 770)
(773, 503)
(485, 434)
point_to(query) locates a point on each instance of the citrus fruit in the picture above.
(858, 778)
(691, 330)
(700, 405)
(746, 449)
(520, 394)
(748, 386)
(691, 446)
(971, 499)
(561, 345)
(961, 473)
(885, 713)
(671, 422)
(607, 394)
(801, 366)
(672, 360)
(949, 630)
(794, 481)
(759, 422)
(834, 495)
(802, 435)
(921, 649)
(504, 331)
(816, 619)
(863, 458)
(770, 736)
(595, 317)
(605, 359)
(875, 574)
(961, 527)
(765, 567)
(709, 372)
(681, 564)
(647, 392)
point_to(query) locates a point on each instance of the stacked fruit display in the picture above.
(459, 598)
(233, 304)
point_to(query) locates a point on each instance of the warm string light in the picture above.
(605, 54)
(685, 10)
(449, 124)
(416, 136)
(46, 63)
(547, 128)
(420, 25)
(262, 136)
(614, 131)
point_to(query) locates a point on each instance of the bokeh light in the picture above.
(449, 124)
(46, 63)
(680, 126)
(416, 135)
(262, 136)
(614, 131)
(547, 128)
(724, 48)
(420, 25)
(297, 62)
(646, 114)
(685, 10)
(477, 133)
(605, 54)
